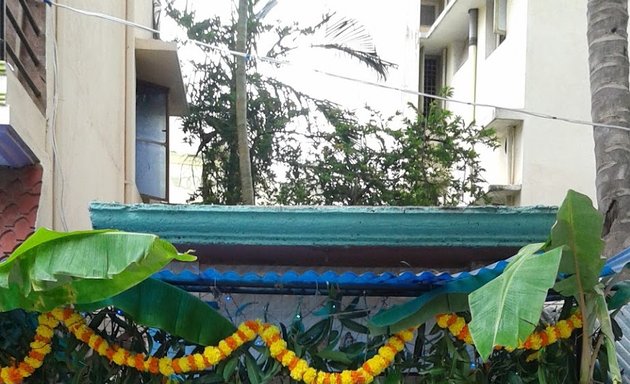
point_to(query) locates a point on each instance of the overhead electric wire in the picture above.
(341, 77)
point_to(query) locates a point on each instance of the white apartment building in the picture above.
(523, 54)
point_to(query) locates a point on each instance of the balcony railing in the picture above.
(23, 44)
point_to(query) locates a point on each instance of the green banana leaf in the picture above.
(52, 268)
(156, 304)
(452, 297)
(578, 228)
(507, 309)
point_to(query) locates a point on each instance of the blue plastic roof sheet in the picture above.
(394, 284)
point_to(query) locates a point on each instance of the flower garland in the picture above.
(562, 330)
(40, 347)
(248, 331)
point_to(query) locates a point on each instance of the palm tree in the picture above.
(610, 104)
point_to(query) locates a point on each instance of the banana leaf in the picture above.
(53, 268)
(452, 297)
(578, 228)
(508, 308)
(156, 304)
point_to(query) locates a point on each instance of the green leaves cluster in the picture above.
(309, 151)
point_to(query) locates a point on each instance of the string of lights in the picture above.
(342, 77)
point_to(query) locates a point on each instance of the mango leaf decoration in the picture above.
(506, 310)
(52, 268)
(179, 313)
(578, 228)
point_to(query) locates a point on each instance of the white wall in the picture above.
(558, 155)
(541, 66)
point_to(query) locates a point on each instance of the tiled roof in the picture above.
(20, 189)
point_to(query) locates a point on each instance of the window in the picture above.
(152, 141)
(431, 77)
(22, 29)
(428, 14)
(496, 25)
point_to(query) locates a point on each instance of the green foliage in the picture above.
(424, 159)
(187, 316)
(52, 268)
(505, 310)
(309, 151)
(452, 297)
(578, 229)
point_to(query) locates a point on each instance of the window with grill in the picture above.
(23, 44)
(431, 79)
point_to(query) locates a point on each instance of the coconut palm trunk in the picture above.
(610, 104)
(245, 164)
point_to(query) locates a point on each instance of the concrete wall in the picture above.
(91, 99)
(541, 66)
(558, 156)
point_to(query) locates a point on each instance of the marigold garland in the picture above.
(552, 333)
(40, 347)
(248, 331)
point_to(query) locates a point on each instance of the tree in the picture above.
(274, 109)
(424, 160)
(309, 151)
(610, 101)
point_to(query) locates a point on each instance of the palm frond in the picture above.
(350, 37)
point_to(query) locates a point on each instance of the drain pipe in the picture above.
(473, 21)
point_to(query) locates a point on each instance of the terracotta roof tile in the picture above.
(19, 200)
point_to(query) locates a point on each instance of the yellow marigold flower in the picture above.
(37, 345)
(102, 349)
(387, 354)
(247, 331)
(287, 358)
(299, 370)
(212, 354)
(183, 364)
(119, 356)
(576, 319)
(225, 348)
(166, 366)
(47, 319)
(270, 332)
(199, 362)
(75, 318)
(277, 347)
(44, 331)
(564, 329)
(551, 334)
(396, 343)
(535, 341)
(457, 326)
(309, 375)
(468, 339)
(321, 376)
(406, 335)
(346, 377)
(377, 364)
(33, 362)
(367, 378)
(442, 320)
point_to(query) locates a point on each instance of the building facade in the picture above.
(520, 54)
(86, 111)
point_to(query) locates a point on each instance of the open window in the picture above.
(160, 94)
(496, 25)
(152, 141)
